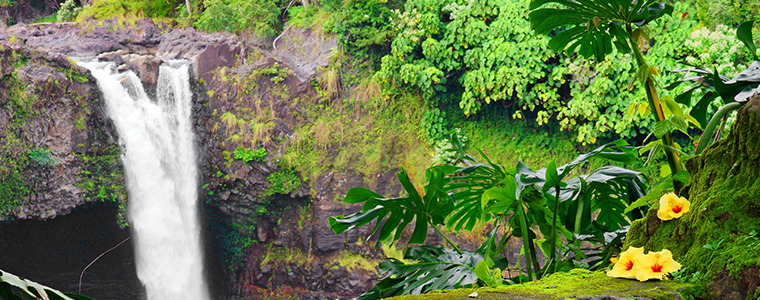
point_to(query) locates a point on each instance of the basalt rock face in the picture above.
(718, 240)
(58, 148)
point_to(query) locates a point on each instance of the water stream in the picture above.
(157, 145)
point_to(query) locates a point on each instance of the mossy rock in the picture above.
(718, 240)
(576, 284)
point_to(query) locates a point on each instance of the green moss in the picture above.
(578, 283)
(282, 181)
(353, 262)
(720, 231)
(101, 180)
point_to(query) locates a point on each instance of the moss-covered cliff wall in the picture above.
(718, 241)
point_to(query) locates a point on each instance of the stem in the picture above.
(96, 259)
(504, 238)
(524, 232)
(717, 134)
(654, 104)
(456, 248)
(710, 128)
(578, 217)
(553, 246)
(534, 258)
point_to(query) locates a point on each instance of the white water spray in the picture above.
(161, 173)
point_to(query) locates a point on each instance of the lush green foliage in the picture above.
(282, 181)
(518, 200)
(364, 26)
(725, 12)
(470, 54)
(105, 9)
(240, 15)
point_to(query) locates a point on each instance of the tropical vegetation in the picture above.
(493, 88)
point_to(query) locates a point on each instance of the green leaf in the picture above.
(433, 208)
(434, 269)
(699, 111)
(671, 107)
(668, 125)
(552, 178)
(502, 197)
(665, 184)
(29, 288)
(744, 34)
(484, 273)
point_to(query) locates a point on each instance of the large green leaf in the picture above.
(433, 208)
(31, 289)
(467, 185)
(435, 269)
(592, 26)
(744, 34)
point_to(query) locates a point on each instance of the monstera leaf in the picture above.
(435, 269)
(592, 26)
(31, 290)
(468, 185)
(432, 209)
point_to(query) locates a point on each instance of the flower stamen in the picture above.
(629, 265)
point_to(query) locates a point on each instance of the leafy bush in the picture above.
(105, 9)
(247, 155)
(467, 56)
(727, 12)
(364, 27)
(68, 11)
(240, 15)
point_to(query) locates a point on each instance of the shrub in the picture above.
(240, 15)
(248, 155)
(68, 11)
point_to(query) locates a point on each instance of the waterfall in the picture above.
(157, 146)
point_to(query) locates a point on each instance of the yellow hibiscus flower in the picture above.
(672, 207)
(625, 265)
(655, 265)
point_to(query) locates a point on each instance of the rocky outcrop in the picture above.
(58, 148)
(718, 239)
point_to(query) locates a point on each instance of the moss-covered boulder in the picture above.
(576, 284)
(718, 241)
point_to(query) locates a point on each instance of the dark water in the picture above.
(55, 252)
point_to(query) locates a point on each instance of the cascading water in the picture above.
(161, 173)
